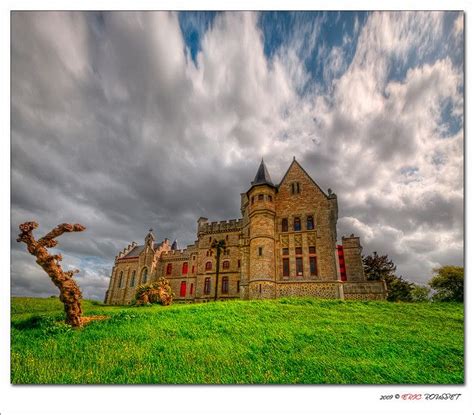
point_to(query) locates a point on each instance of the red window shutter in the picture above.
(182, 291)
(185, 268)
(342, 263)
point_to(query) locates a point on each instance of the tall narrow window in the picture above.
(313, 270)
(191, 289)
(269, 198)
(192, 269)
(225, 285)
(297, 224)
(185, 268)
(121, 279)
(299, 266)
(309, 223)
(238, 263)
(286, 267)
(238, 286)
(144, 275)
(226, 264)
(169, 269)
(207, 286)
(208, 265)
(297, 187)
(284, 225)
(132, 281)
(182, 291)
(260, 251)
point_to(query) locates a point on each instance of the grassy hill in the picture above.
(276, 341)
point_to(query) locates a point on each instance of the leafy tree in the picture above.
(420, 293)
(378, 268)
(398, 288)
(448, 283)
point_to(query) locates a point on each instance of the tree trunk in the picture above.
(70, 294)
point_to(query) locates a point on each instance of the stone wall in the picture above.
(353, 259)
(308, 289)
(370, 290)
(310, 200)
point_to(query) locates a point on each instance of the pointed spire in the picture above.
(174, 245)
(262, 176)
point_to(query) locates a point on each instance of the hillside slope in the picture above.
(276, 341)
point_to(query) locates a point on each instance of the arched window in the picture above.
(225, 285)
(207, 286)
(226, 264)
(132, 281)
(284, 225)
(121, 279)
(169, 269)
(309, 223)
(144, 275)
(297, 224)
(208, 265)
(260, 197)
(185, 268)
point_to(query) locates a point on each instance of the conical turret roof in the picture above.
(262, 176)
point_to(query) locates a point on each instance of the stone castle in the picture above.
(285, 244)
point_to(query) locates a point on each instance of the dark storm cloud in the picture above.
(121, 123)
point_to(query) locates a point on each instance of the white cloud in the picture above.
(118, 128)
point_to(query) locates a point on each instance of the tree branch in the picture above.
(48, 240)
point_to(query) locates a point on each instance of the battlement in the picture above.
(126, 250)
(176, 253)
(222, 226)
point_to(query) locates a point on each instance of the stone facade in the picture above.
(285, 244)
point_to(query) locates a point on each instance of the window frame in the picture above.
(225, 285)
(297, 220)
(207, 286)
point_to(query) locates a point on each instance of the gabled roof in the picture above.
(138, 250)
(304, 171)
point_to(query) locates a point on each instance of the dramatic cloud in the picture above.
(125, 121)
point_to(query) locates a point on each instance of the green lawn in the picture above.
(276, 341)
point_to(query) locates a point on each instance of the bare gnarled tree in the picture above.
(70, 294)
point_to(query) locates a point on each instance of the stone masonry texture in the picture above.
(285, 244)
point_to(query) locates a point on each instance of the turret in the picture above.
(261, 213)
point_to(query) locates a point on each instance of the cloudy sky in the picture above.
(126, 121)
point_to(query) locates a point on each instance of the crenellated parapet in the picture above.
(177, 255)
(224, 226)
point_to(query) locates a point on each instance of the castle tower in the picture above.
(261, 213)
